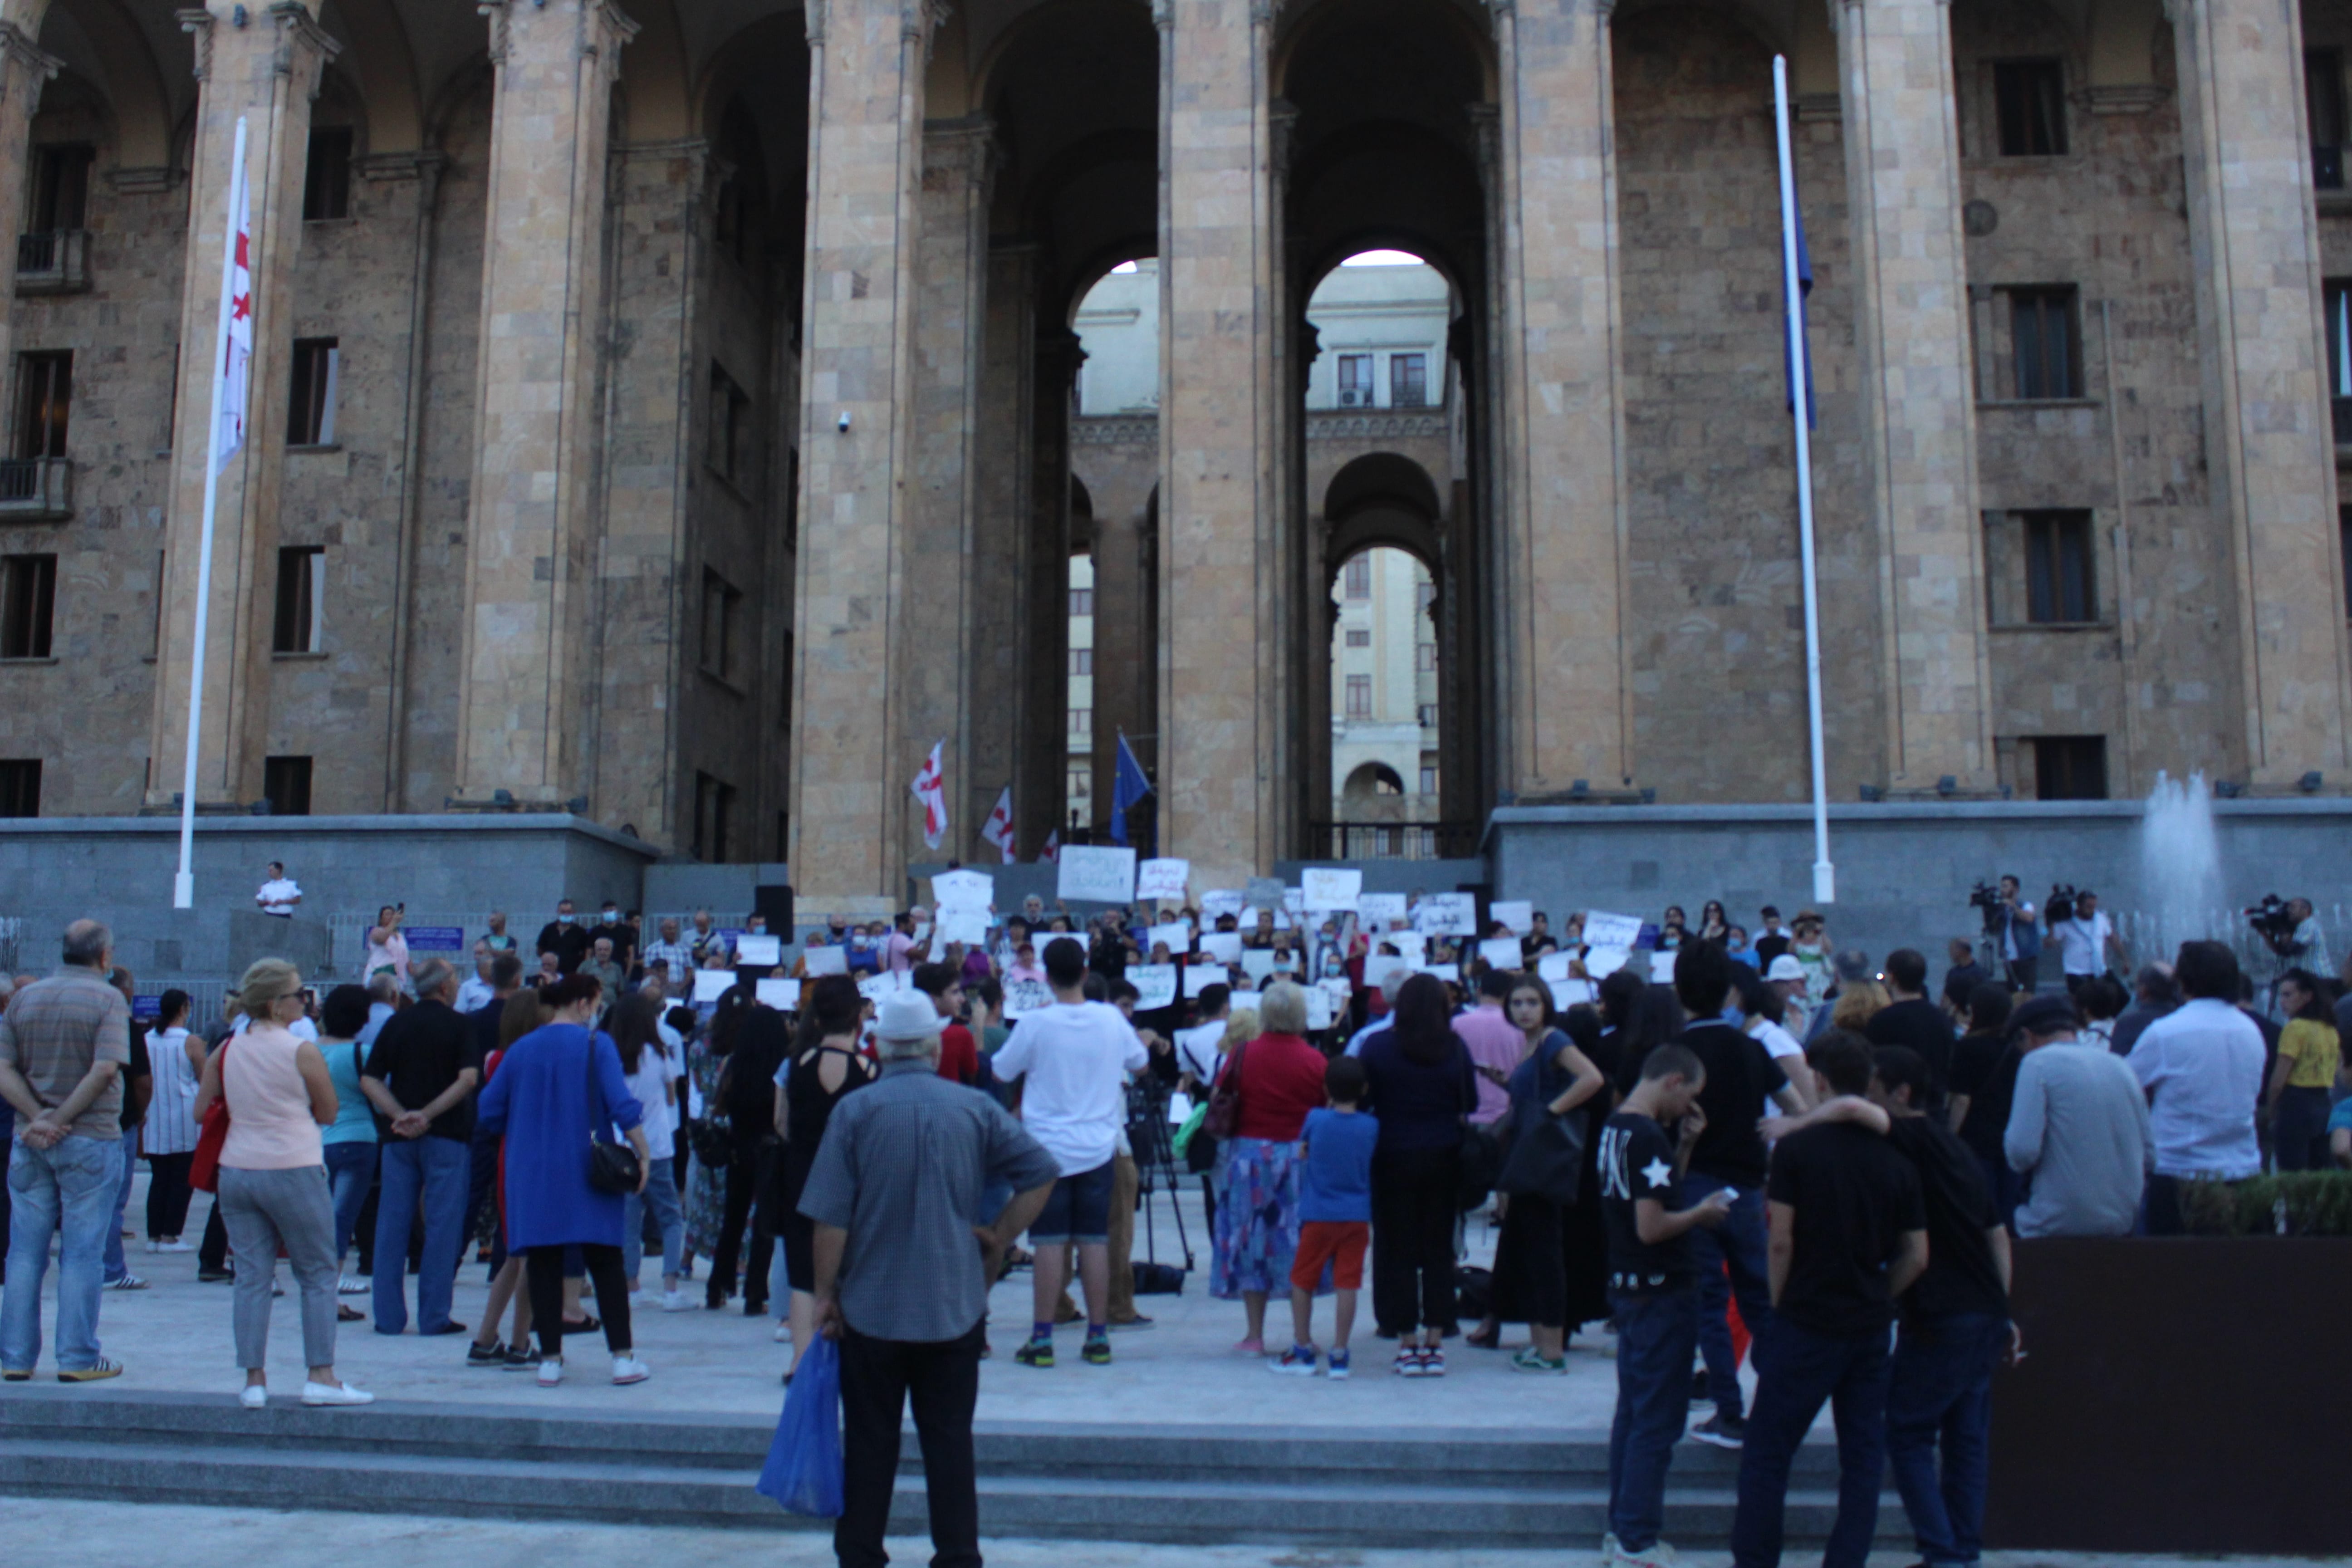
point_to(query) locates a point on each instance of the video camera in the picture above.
(1986, 896)
(2271, 920)
(2061, 906)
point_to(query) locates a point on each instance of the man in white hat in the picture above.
(903, 1261)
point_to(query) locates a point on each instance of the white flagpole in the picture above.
(1824, 873)
(184, 886)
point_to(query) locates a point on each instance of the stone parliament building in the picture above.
(663, 409)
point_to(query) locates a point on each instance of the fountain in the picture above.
(2180, 867)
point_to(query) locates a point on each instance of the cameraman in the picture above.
(2296, 939)
(2087, 942)
(2019, 928)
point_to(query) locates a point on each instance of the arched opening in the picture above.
(1383, 678)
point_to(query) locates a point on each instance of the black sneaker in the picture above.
(519, 1359)
(214, 1276)
(1723, 1431)
(1097, 1350)
(490, 1356)
(1035, 1352)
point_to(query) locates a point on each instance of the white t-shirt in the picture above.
(1196, 1049)
(1783, 1046)
(277, 895)
(1074, 1058)
(649, 1087)
(2085, 942)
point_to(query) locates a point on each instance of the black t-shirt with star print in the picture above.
(1637, 1162)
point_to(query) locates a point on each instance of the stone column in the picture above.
(938, 650)
(1042, 801)
(1003, 424)
(1564, 688)
(266, 70)
(1918, 391)
(2269, 445)
(524, 707)
(850, 777)
(23, 69)
(1218, 723)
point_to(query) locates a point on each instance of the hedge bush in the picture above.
(2295, 1203)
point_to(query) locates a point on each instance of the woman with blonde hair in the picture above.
(1858, 1002)
(1279, 1078)
(273, 1180)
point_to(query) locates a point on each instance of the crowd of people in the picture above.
(1729, 1146)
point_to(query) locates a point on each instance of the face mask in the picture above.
(566, 920)
(611, 915)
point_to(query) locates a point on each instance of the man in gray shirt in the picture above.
(2077, 1128)
(903, 1263)
(2155, 993)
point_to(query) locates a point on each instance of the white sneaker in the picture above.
(335, 1394)
(1659, 1555)
(347, 1286)
(172, 1246)
(253, 1396)
(550, 1373)
(784, 1334)
(629, 1369)
(677, 1301)
(1609, 1548)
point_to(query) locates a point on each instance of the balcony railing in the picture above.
(53, 262)
(35, 489)
(1392, 840)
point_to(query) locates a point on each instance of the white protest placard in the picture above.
(1155, 985)
(711, 984)
(874, 987)
(1097, 874)
(783, 996)
(760, 948)
(1662, 967)
(1552, 967)
(829, 959)
(1447, 914)
(1294, 900)
(1224, 946)
(1257, 962)
(1500, 953)
(1381, 909)
(1517, 914)
(1330, 888)
(1602, 961)
(1411, 946)
(1319, 1008)
(1567, 994)
(961, 890)
(1384, 973)
(967, 926)
(1054, 936)
(1443, 971)
(1175, 933)
(1263, 893)
(1023, 997)
(1219, 902)
(1158, 880)
(1603, 929)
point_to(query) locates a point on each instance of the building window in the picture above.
(1427, 713)
(1429, 773)
(286, 785)
(28, 603)
(2322, 96)
(60, 189)
(301, 579)
(2030, 106)
(44, 402)
(2046, 339)
(730, 427)
(20, 786)
(1358, 638)
(722, 608)
(714, 804)
(1359, 697)
(310, 410)
(1408, 381)
(1082, 601)
(1078, 784)
(2070, 767)
(1082, 725)
(1082, 661)
(2059, 584)
(1360, 577)
(1355, 381)
(1424, 657)
(327, 178)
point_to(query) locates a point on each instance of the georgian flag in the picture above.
(229, 390)
(1052, 853)
(997, 828)
(930, 789)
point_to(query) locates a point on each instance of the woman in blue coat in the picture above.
(557, 1090)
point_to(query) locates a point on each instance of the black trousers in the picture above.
(168, 1194)
(1531, 1263)
(878, 1379)
(2025, 973)
(747, 1195)
(542, 1270)
(212, 1256)
(1413, 1239)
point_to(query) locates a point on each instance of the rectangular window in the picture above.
(1082, 661)
(2070, 767)
(60, 189)
(286, 785)
(1428, 715)
(2060, 588)
(327, 178)
(44, 403)
(721, 607)
(730, 427)
(714, 804)
(2046, 339)
(1360, 577)
(2322, 96)
(1429, 773)
(20, 786)
(1355, 381)
(1078, 784)
(1081, 723)
(29, 604)
(1082, 601)
(1358, 638)
(310, 408)
(1408, 381)
(301, 572)
(2030, 105)
(1359, 697)
(1424, 657)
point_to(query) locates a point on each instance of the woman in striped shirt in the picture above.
(169, 1135)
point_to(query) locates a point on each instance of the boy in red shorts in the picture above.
(1335, 1215)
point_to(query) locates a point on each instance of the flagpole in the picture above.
(1800, 400)
(184, 885)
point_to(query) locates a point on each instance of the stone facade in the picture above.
(703, 443)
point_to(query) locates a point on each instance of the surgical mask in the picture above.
(566, 920)
(611, 915)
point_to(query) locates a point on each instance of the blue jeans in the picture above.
(126, 1163)
(1738, 1241)
(1942, 1388)
(430, 1173)
(65, 1191)
(1797, 1370)
(1655, 1335)
(661, 1191)
(351, 1171)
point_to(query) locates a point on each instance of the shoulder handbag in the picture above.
(1225, 1099)
(612, 1167)
(1482, 1154)
(203, 1167)
(1546, 1159)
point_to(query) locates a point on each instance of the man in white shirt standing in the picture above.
(2088, 943)
(278, 892)
(1072, 1059)
(2201, 1066)
(1196, 1047)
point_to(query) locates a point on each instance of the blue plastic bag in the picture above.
(804, 1468)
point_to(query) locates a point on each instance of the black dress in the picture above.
(808, 1106)
(1582, 1233)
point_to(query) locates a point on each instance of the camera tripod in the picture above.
(1156, 1168)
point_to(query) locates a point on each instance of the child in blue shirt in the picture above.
(1335, 1215)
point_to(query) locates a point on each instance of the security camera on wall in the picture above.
(844, 425)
